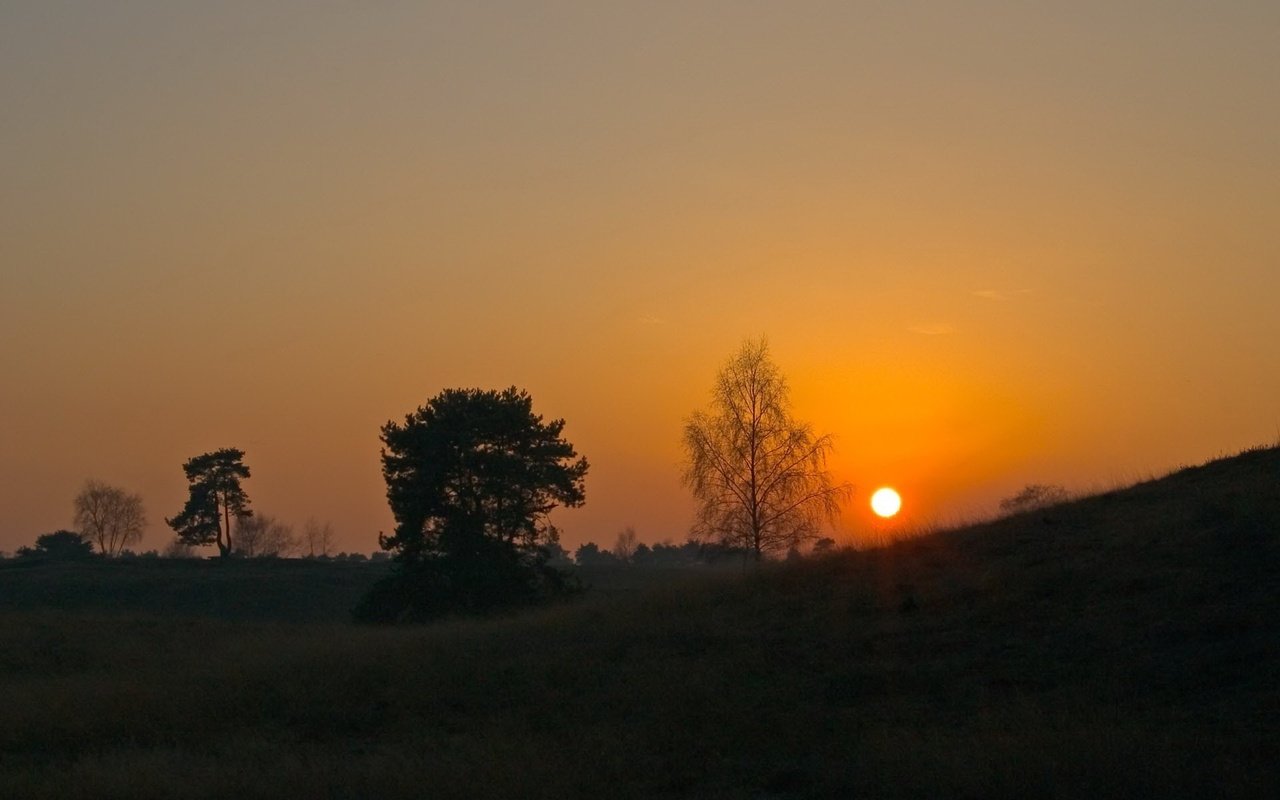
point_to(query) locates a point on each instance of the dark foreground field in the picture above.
(1122, 646)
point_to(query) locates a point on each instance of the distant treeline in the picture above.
(628, 553)
(67, 545)
(71, 545)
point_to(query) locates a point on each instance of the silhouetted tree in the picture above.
(59, 546)
(823, 546)
(642, 556)
(471, 477)
(713, 552)
(261, 536)
(1033, 496)
(215, 497)
(667, 554)
(692, 551)
(589, 554)
(109, 516)
(317, 538)
(557, 556)
(624, 547)
(759, 475)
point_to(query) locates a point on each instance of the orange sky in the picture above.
(990, 243)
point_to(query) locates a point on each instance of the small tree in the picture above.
(317, 538)
(109, 516)
(471, 477)
(624, 547)
(589, 554)
(59, 546)
(215, 497)
(557, 556)
(642, 556)
(261, 536)
(759, 475)
(1032, 497)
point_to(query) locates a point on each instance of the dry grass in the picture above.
(1122, 645)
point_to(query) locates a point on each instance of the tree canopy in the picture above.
(758, 474)
(215, 498)
(471, 477)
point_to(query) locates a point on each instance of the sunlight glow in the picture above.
(886, 502)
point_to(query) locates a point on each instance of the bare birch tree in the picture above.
(109, 517)
(262, 536)
(318, 537)
(759, 475)
(624, 548)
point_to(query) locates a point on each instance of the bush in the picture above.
(1032, 497)
(59, 546)
(419, 591)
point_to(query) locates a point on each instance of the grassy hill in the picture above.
(1125, 645)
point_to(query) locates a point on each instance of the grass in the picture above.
(1123, 645)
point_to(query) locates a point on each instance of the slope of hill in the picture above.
(1124, 645)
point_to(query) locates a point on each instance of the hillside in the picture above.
(1123, 645)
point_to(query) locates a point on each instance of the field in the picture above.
(1123, 645)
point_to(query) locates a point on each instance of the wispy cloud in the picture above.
(1000, 294)
(940, 329)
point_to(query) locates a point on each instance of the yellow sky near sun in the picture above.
(990, 246)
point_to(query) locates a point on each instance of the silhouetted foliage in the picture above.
(557, 556)
(471, 477)
(824, 545)
(758, 474)
(642, 556)
(589, 554)
(664, 554)
(215, 497)
(109, 516)
(1033, 496)
(667, 554)
(59, 546)
(146, 555)
(714, 552)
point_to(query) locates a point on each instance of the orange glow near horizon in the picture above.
(971, 264)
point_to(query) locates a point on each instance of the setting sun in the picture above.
(886, 502)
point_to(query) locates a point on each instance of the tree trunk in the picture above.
(225, 551)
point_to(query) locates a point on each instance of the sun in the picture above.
(886, 502)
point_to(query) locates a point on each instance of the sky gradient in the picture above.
(990, 243)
